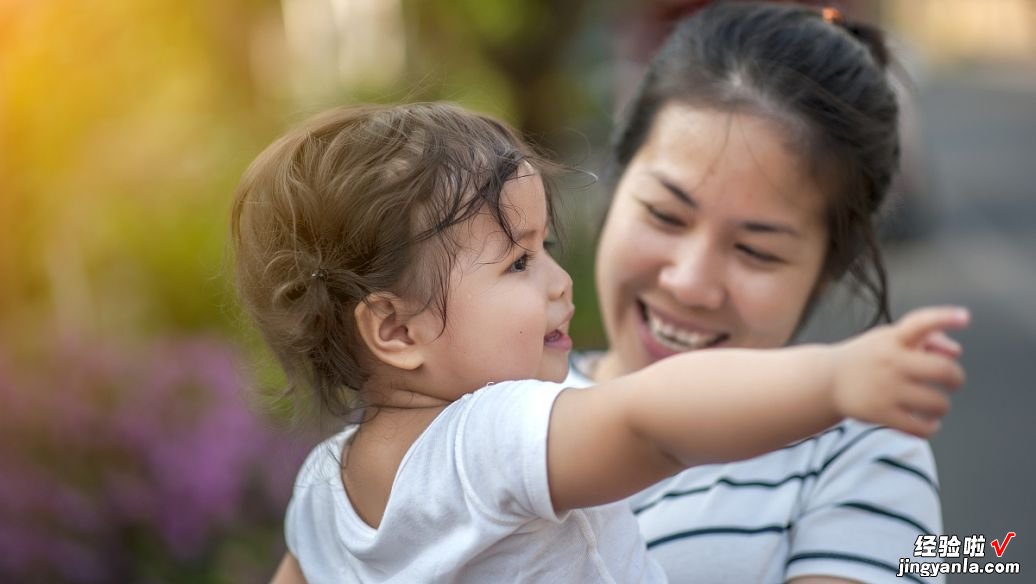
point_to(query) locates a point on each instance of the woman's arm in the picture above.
(288, 572)
(609, 441)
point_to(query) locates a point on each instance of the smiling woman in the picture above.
(716, 237)
(747, 172)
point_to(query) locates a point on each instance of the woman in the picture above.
(747, 172)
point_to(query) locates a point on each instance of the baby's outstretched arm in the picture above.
(609, 441)
(897, 375)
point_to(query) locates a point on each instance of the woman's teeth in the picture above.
(678, 339)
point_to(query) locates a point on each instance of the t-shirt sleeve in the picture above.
(314, 485)
(875, 493)
(501, 450)
(290, 538)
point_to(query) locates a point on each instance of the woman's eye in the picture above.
(662, 217)
(520, 264)
(759, 255)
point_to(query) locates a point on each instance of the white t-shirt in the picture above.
(470, 503)
(848, 502)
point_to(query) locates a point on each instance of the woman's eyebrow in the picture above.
(682, 195)
(749, 225)
(760, 227)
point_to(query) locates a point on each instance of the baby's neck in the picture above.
(397, 411)
(394, 395)
(373, 457)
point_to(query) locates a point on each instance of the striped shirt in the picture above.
(848, 502)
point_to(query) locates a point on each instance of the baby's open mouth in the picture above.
(676, 338)
(558, 339)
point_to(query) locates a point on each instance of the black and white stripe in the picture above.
(848, 502)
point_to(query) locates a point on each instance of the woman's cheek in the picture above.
(769, 304)
(645, 247)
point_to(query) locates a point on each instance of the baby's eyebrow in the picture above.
(504, 245)
(528, 233)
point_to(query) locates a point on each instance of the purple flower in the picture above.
(105, 447)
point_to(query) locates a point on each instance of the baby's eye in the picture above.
(520, 264)
(550, 245)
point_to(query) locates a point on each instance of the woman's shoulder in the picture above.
(886, 457)
(855, 454)
(857, 439)
(852, 456)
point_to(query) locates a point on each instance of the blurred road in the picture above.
(980, 128)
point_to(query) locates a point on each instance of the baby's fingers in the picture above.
(913, 328)
(929, 368)
(911, 423)
(926, 401)
(940, 342)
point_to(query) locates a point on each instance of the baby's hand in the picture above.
(898, 375)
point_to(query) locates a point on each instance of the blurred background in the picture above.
(133, 445)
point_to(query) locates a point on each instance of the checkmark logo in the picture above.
(1000, 547)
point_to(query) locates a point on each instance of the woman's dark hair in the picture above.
(360, 200)
(822, 77)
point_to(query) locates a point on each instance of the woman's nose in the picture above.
(694, 276)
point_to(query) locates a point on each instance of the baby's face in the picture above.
(508, 307)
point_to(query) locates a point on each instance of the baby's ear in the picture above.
(385, 323)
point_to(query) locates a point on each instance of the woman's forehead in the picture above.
(737, 159)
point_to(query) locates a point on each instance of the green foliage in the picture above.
(125, 126)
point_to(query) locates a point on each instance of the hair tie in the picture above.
(832, 15)
(319, 274)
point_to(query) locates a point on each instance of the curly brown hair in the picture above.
(355, 201)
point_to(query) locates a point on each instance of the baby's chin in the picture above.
(557, 375)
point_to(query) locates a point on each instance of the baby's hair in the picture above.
(360, 200)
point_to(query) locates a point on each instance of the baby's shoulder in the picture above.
(324, 462)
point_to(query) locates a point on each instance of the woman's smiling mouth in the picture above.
(676, 338)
